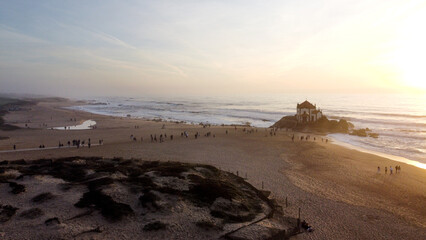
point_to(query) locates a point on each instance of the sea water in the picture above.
(400, 120)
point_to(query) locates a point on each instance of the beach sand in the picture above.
(337, 189)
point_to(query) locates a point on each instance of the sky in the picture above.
(132, 48)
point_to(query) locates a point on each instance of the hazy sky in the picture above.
(84, 48)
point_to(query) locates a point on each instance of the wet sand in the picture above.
(338, 190)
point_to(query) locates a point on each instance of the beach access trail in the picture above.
(338, 190)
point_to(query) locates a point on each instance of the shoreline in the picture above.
(379, 154)
(340, 143)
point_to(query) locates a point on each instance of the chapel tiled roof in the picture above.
(306, 104)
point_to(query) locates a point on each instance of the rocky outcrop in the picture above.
(324, 125)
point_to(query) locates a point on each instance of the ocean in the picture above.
(400, 120)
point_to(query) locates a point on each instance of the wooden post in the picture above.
(299, 214)
(298, 221)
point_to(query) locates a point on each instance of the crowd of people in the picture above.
(307, 137)
(397, 169)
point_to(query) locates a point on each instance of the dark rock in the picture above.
(208, 226)
(43, 197)
(42, 161)
(154, 226)
(148, 200)
(94, 230)
(110, 209)
(4, 178)
(52, 221)
(6, 212)
(32, 213)
(231, 211)
(86, 213)
(97, 183)
(19, 162)
(16, 188)
(65, 186)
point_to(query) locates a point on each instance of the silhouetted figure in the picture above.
(14, 147)
(306, 226)
(386, 170)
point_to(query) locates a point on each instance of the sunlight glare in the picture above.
(409, 57)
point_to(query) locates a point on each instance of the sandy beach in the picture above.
(339, 191)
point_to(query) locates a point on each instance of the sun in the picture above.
(409, 55)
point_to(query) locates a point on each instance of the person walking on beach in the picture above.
(390, 170)
(386, 170)
(378, 169)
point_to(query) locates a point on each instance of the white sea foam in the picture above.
(88, 124)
